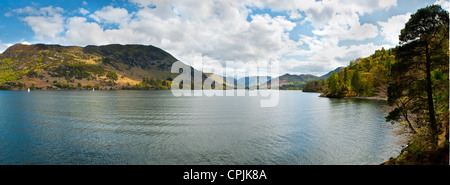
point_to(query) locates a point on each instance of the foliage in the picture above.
(112, 75)
(63, 85)
(418, 84)
(315, 86)
(414, 76)
(145, 57)
(11, 85)
(363, 77)
(79, 71)
(9, 71)
(151, 83)
(291, 87)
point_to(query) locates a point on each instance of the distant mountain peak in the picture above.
(325, 76)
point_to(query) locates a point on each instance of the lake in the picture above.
(155, 127)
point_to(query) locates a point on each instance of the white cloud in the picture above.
(347, 28)
(110, 14)
(293, 66)
(390, 30)
(45, 27)
(445, 4)
(333, 22)
(142, 3)
(26, 10)
(367, 6)
(83, 11)
(295, 14)
(79, 31)
(324, 57)
(320, 13)
(332, 19)
(47, 23)
(4, 46)
(220, 30)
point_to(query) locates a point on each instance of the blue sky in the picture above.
(307, 37)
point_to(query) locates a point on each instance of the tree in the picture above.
(334, 85)
(345, 79)
(112, 75)
(421, 51)
(354, 83)
(153, 82)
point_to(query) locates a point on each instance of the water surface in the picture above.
(155, 127)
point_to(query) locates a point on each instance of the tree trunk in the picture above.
(405, 114)
(429, 91)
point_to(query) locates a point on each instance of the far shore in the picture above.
(368, 98)
(354, 97)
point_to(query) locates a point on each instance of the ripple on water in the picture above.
(154, 127)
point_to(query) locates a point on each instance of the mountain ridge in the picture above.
(296, 82)
(113, 66)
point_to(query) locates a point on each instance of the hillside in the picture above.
(325, 76)
(363, 77)
(72, 67)
(53, 67)
(297, 82)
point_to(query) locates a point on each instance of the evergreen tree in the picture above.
(423, 49)
(355, 81)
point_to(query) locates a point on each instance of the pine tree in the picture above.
(422, 50)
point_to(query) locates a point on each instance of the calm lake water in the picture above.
(155, 127)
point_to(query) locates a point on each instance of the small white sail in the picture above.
(93, 89)
(28, 89)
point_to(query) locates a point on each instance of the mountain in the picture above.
(325, 76)
(296, 82)
(113, 66)
(293, 82)
(295, 79)
(252, 81)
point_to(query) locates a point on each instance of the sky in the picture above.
(305, 36)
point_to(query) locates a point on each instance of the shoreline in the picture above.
(367, 98)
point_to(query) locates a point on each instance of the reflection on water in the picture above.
(154, 127)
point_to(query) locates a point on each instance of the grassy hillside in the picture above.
(71, 67)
